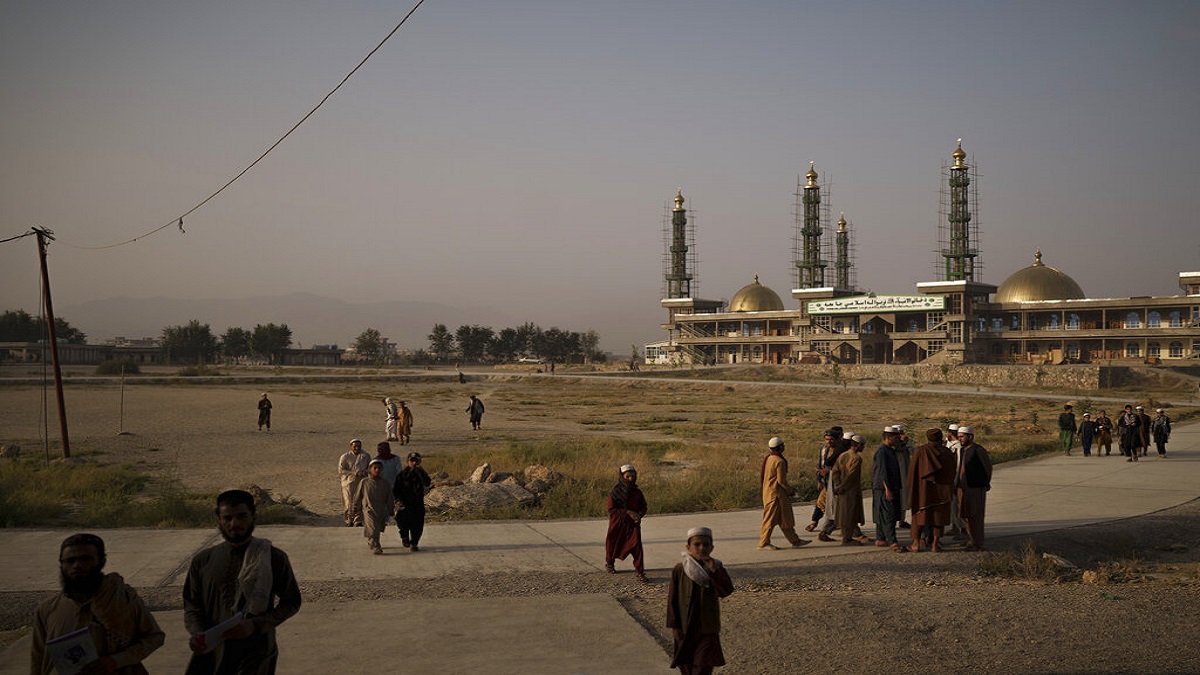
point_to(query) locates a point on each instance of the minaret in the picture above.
(842, 262)
(958, 252)
(678, 276)
(809, 262)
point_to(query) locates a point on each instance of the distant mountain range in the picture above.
(313, 319)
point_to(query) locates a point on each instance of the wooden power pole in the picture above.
(42, 235)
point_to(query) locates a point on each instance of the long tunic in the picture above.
(696, 612)
(974, 481)
(410, 489)
(777, 500)
(931, 475)
(846, 481)
(210, 597)
(406, 422)
(349, 466)
(391, 468)
(904, 459)
(624, 536)
(374, 503)
(120, 624)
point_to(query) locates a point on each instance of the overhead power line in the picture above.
(178, 221)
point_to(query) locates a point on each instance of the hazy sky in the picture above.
(520, 154)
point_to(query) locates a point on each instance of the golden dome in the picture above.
(755, 297)
(1038, 282)
(812, 174)
(679, 199)
(958, 154)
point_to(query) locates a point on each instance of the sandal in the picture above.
(897, 548)
(641, 576)
(821, 536)
(810, 527)
(611, 569)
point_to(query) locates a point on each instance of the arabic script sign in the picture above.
(877, 303)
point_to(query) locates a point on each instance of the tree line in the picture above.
(194, 342)
(20, 326)
(480, 343)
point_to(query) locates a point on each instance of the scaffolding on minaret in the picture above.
(958, 222)
(843, 264)
(810, 243)
(679, 251)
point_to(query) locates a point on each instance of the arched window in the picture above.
(1132, 350)
(912, 326)
(982, 324)
(1153, 350)
(869, 328)
(1132, 320)
(997, 324)
(1154, 321)
(837, 326)
(1016, 322)
(1175, 319)
(1072, 350)
(1176, 350)
(1072, 322)
(1053, 322)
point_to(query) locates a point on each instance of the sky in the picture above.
(521, 155)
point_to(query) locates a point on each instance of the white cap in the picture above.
(848, 435)
(355, 440)
(889, 429)
(627, 467)
(775, 442)
(953, 426)
(899, 428)
(699, 532)
(1139, 408)
(966, 430)
(1087, 414)
(1159, 410)
(857, 439)
(376, 461)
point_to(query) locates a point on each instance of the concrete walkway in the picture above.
(581, 634)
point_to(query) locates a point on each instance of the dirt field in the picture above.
(865, 613)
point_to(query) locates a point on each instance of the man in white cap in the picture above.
(626, 508)
(886, 488)
(352, 468)
(957, 528)
(973, 482)
(1160, 430)
(777, 498)
(1145, 431)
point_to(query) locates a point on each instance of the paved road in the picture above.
(548, 633)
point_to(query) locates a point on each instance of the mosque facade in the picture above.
(1038, 315)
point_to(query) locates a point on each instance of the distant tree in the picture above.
(20, 326)
(556, 344)
(507, 345)
(634, 353)
(369, 345)
(474, 341)
(190, 343)
(589, 342)
(527, 336)
(235, 342)
(270, 340)
(441, 341)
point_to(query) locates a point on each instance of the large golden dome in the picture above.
(1038, 282)
(755, 297)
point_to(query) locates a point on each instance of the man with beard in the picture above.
(1130, 426)
(352, 467)
(119, 623)
(973, 481)
(244, 584)
(626, 508)
(886, 487)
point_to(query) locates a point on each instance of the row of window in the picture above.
(1132, 349)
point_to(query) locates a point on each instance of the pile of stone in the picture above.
(491, 489)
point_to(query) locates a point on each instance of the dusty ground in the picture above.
(874, 612)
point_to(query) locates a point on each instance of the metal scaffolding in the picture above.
(844, 270)
(679, 251)
(958, 221)
(810, 243)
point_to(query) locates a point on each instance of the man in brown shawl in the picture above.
(931, 475)
(846, 482)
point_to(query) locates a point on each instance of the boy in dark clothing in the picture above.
(411, 486)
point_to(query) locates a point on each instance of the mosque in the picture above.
(1038, 315)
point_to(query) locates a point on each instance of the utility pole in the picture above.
(42, 235)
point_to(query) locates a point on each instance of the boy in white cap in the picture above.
(373, 503)
(1160, 431)
(626, 508)
(693, 605)
(777, 498)
(352, 468)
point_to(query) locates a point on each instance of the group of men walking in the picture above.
(1134, 428)
(377, 488)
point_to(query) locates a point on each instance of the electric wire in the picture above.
(18, 236)
(178, 221)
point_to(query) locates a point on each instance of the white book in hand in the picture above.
(213, 637)
(73, 651)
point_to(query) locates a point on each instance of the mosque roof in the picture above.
(1039, 281)
(754, 297)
